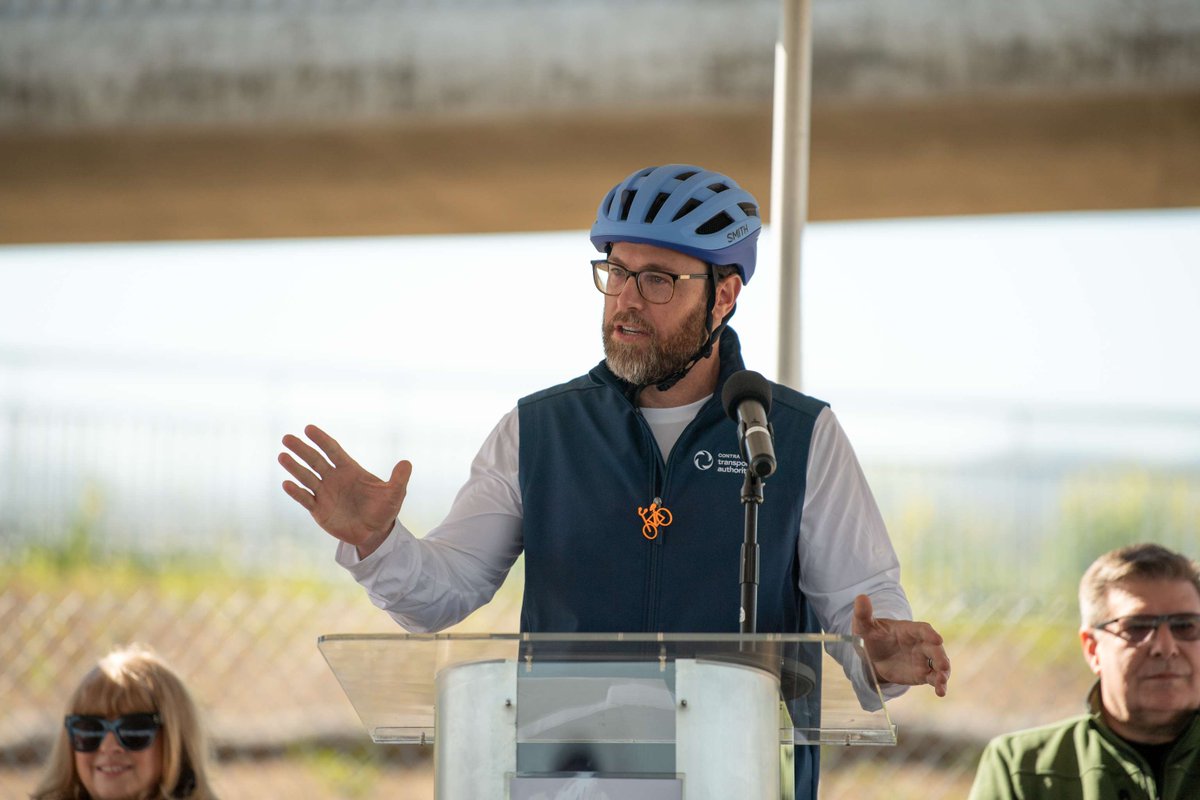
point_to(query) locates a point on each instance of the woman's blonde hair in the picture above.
(130, 680)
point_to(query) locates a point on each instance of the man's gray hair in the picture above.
(1135, 562)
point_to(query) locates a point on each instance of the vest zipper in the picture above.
(660, 473)
(654, 558)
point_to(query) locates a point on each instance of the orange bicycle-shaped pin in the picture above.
(654, 517)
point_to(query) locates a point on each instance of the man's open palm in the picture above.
(346, 500)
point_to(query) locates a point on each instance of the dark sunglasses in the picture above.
(133, 731)
(1139, 627)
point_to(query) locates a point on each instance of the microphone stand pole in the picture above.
(752, 497)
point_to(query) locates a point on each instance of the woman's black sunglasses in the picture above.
(133, 731)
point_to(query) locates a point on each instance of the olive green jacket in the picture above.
(1082, 759)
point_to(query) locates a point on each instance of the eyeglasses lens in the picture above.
(605, 282)
(134, 732)
(1184, 627)
(656, 287)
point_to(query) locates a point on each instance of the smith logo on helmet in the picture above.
(733, 236)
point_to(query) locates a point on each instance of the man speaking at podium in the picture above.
(620, 486)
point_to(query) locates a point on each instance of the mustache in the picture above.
(631, 319)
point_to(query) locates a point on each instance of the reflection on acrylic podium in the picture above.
(619, 716)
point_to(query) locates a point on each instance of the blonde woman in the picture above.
(131, 732)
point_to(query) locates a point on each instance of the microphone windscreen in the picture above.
(745, 385)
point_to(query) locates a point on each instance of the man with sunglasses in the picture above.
(622, 487)
(1141, 738)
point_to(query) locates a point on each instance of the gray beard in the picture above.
(644, 365)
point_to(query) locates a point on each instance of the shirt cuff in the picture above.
(347, 554)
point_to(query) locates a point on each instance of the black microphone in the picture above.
(747, 401)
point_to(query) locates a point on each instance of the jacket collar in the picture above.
(1093, 700)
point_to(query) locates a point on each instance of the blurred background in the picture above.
(223, 219)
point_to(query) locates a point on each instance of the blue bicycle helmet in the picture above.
(689, 209)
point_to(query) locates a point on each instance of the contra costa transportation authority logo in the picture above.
(724, 462)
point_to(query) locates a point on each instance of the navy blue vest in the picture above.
(589, 463)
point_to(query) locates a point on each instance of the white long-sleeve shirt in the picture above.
(431, 583)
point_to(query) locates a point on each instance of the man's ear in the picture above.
(727, 295)
(1087, 638)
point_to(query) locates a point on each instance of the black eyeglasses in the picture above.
(654, 285)
(133, 731)
(1137, 628)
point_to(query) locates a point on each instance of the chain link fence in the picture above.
(282, 727)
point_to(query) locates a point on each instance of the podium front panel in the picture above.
(608, 717)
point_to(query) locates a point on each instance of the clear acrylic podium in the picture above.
(623, 716)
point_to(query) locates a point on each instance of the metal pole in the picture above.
(789, 172)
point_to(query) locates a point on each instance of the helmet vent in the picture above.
(717, 223)
(691, 205)
(718, 187)
(626, 202)
(749, 209)
(656, 206)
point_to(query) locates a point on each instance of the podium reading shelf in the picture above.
(632, 716)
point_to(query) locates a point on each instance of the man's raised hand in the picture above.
(350, 503)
